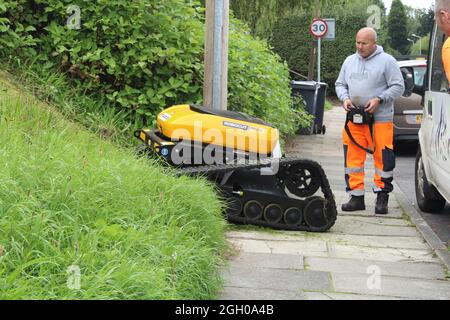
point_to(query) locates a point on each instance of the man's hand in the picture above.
(347, 105)
(372, 105)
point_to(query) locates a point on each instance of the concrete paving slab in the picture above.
(391, 286)
(270, 261)
(381, 254)
(419, 270)
(253, 246)
(316, 296)
(351, 225)
(309, 248)
(345, 296)
(236, 293)
(359, 240)
(378, 220)
(275, 279)
(376, 241)
(271, 235)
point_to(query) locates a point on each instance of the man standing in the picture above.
(371, 79)
(442, 17)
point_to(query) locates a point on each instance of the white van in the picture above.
(432, 169)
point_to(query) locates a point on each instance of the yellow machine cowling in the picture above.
(222, 128)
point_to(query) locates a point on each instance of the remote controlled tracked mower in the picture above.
(242, 155)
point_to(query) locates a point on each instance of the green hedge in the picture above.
(258, 82)
(292, 41)
(145, 55)
(15, 36)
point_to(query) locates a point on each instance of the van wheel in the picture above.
(428, 198)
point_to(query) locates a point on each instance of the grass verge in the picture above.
(83, 219)
(69, 97)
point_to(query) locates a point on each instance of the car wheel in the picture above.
(428, 198)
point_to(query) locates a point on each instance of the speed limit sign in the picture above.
(318, 28)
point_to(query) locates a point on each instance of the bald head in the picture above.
(442, 5)
(366, 41)
(442, 15)
(368, 33)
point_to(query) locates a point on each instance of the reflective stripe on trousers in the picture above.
(355, 157)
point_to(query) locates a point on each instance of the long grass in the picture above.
(72, 201)
(43, 80)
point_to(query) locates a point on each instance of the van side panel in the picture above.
(436, 141)
(434, 134)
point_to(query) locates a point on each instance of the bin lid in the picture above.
(308, 83)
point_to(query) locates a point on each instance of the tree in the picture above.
(261, 15)
(398, 27)
(426, 19)
(412, 15)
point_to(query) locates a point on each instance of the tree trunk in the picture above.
(312, 60)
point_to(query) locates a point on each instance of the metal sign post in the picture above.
(318, 29)
(319, 47)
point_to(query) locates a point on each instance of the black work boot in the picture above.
(381, 206)
(355, 203)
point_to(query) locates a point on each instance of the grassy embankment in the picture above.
(70, 201)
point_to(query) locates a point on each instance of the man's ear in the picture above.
(445, 15)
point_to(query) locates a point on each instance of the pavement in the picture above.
(362, 257)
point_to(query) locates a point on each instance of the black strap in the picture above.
(353, 139)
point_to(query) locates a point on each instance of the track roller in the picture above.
(273, 213)
(253, 210)
(316, 212)
(293, 216)
(234, 206)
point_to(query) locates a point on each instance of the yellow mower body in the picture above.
(222, 128)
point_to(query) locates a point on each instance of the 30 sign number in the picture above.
(318, 28)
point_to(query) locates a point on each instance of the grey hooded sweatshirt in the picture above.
(378, 75)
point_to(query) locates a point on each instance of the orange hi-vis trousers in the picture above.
(355, 157)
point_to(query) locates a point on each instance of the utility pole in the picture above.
(420, 43)
(216, 54)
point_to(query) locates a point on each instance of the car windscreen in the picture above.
(419, 73)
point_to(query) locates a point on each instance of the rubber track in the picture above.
(285, 161)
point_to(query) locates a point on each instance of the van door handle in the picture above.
(430, 108)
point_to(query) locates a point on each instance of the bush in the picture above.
(15, 36)
(259, 82)
(144, 55)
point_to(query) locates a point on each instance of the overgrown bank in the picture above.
(74, 207)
